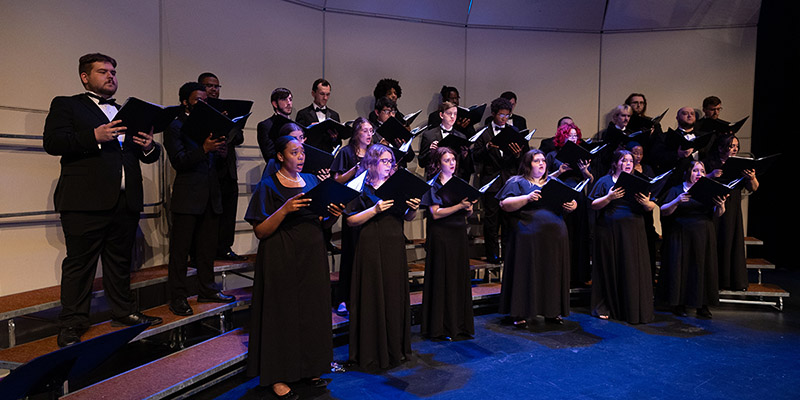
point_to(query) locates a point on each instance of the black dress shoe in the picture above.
(679, 311)
(317, 382)
(136, 319)
(218, 297)
(554, 320)
(180, 307)
(443, 338)
(68, 335)
(704, 312)
(230, 256)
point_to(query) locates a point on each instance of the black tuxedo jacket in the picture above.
(90, 174)
(307, 116)
(196, 180)
(491, 162)
(432, 135)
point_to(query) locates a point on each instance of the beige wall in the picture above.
(255, 46)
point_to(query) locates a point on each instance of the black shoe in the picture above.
(68, 335)
(679, 311)
(317, 382)
(704, 312)
(554, 320)
(136, 319)
(180, 307)
(218, 297)
(230, 256)
(443, 338)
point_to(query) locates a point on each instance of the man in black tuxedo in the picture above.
(267, 130)
(493, 161)
(448, 113)
(517, 121)
(99, 196)
(228, 181)
(319, 111)
(711, 122)
(195, 205)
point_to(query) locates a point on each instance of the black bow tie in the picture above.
(320, 109)
(446, 131)
(101, 100)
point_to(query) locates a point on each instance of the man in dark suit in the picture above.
(195, 205)
(267, 130)
(99, 196)
(228, 181)
(448, 113)
(517, 121)
(319, 111)
(494, 161)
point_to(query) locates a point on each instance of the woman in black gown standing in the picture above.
(577, 221)
(380, 313)
(536, 270)
(344, 168)
(290, 330)
(622, 287)
(447, 292)
(689, 275)
(730, 226)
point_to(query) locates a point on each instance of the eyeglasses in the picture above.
(503, 115)
(386, 161)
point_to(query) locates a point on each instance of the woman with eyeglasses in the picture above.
(290, 329)
(380, 312)
(730, 226)
(447, 290)
(689, 270)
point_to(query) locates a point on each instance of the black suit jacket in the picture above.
(307, 116)
(424, 158)
(90, 175)
(491, 162)
(196, 180)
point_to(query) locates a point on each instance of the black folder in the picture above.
(455, 190)
(700, 141)
(635, 184)
(139, 116)
(205, 119)
(393, 129)
(734, 166)
(409, 119)
(507, 136)
(316, 159)
(402, 186)
(473, 113)
(325, 128)
(555, 193)
(572, 153)
(706, 189)
(454, 141)
(329, 192)
(231, 108)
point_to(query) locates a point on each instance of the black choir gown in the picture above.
(380, 311)
(290, 328)
(689, 274)
(345, 159)
(622, 287)
(578, 226)
(537, 265)
(447, 289)
(731, 256)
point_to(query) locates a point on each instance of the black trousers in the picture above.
(229, 188)
(89, 236)
(493, 224)
(198, 231)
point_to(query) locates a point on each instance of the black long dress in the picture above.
(536, 270)
(731, 255)
(578, 226)
(689, 275)
(447, 290)
(345, 159)
(622, 287)
(290, 328)
(380, 310)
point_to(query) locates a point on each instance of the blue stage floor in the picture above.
(745, 352)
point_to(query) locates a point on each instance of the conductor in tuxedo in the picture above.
(319, 111)
(228, 182)
(195, 205)
(98, 195)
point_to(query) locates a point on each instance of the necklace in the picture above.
(290, 179)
